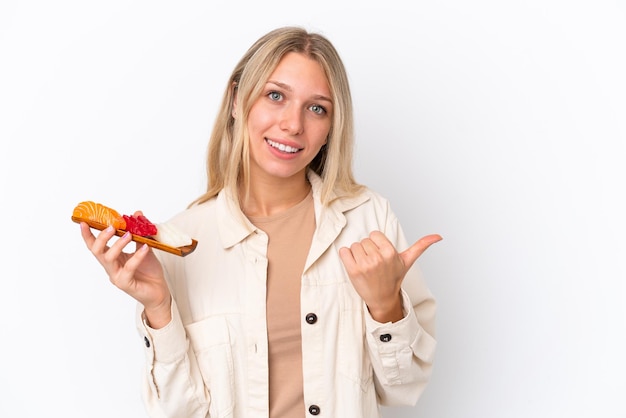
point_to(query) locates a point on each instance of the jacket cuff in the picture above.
(165, 344)
(395, 344)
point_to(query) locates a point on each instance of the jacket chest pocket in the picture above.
(211, 343)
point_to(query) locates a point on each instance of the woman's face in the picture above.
(290, 121)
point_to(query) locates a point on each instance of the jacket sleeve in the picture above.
(171, 383)
(402, 352)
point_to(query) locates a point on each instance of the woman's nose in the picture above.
(291, 120)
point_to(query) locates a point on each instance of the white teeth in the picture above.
(282, 147)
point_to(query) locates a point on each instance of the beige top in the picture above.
(290, 235)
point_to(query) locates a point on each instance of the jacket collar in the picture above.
(233, 226)
(329, 220)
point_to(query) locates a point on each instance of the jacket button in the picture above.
(314, 410)
(146, 341)
(385, 338)
(311, 318)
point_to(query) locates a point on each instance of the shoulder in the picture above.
(375, 198)
(366, 199)
(199, 214)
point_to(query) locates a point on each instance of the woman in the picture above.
(295, 302)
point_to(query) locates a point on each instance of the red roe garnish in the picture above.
(140, 225)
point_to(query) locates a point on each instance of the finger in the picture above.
(99, 245)
(379, 238)
(124, 278)
(369, 247)
(133, 263)
(85, 232)
(116, 249)
(416, 250)
(347, 258)
(382, 243)
(138, 257)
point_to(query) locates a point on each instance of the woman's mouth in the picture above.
(282, 147)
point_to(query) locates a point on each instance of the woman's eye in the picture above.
(318, 109)
(274, 95)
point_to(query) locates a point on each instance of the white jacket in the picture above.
(211, 359)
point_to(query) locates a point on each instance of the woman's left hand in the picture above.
(376, 270)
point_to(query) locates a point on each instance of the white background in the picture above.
(499, 125)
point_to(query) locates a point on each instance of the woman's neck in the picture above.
(270, 196)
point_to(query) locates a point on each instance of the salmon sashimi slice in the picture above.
(97, 212)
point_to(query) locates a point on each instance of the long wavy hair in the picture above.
(228, 159)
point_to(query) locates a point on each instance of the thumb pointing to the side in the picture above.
(416, 250)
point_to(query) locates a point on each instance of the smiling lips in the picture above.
(282, 147)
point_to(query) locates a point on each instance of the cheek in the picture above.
(321, 135)
(258, 120)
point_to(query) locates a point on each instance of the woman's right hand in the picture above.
(139, 274)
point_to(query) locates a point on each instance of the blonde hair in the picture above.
(228, 151)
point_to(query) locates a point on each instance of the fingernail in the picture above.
(109, 228)
(126, 234)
